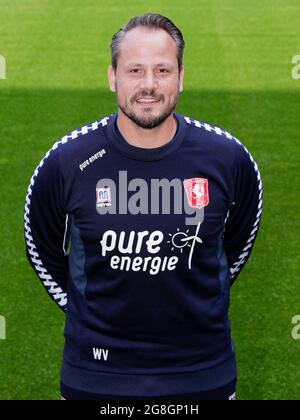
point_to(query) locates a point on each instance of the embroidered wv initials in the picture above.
(100, 354)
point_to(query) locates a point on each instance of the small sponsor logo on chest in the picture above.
(103, 197)
(91, 159)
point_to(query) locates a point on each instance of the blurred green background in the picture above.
(238, 64)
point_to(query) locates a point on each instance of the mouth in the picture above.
(147, 101)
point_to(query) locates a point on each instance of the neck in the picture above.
(146, 138)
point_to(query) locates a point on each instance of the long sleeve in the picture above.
(244, 217)
(45, 222)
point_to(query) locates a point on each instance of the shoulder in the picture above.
(213, 133)
(82, 136)
(217, 139)
(76, 144)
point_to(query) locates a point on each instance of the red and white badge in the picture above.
(197, 192)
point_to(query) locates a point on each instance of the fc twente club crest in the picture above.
(197, 192)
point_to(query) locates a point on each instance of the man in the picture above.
(137, 225)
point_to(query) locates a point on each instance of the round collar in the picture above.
(147, 154)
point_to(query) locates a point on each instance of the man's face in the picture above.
(147, 81)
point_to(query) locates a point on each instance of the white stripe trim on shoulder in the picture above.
(238, 264)
(53, 289)
(208, 127)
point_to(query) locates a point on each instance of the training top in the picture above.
(139, 247)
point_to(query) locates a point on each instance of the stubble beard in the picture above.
(147, 120)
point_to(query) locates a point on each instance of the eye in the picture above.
(163, 70)
(134, 70)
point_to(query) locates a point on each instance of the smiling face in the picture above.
(147, 81)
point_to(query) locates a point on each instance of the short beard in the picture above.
(148, 122)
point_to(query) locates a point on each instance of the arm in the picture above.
(45, 223)
(244, 216)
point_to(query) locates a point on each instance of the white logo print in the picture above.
(181, 239)
(91, 159)
(163, 193)
(136, 242)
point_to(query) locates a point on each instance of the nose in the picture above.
(149, 81)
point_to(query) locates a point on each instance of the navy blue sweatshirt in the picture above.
(140, 247)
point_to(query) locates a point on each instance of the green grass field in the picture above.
(238, 76)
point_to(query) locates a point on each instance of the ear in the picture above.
(111, 78)
(181, 76)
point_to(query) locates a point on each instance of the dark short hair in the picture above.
(150, 21)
